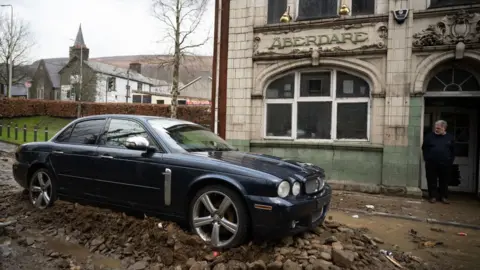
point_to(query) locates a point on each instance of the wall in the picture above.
(41, 79)
(240, 73)
(337, 159)
(89, 81)
(120, 93)
(167, 100)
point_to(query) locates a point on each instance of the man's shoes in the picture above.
(445, 201)
(432, 200)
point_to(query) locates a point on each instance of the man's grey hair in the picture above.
(443, 123)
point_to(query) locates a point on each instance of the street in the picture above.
(72, 236)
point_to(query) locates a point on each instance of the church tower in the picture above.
(79, 49)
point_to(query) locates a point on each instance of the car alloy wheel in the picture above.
(41, 189)
(219, 217)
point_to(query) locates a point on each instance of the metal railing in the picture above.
(12, 131)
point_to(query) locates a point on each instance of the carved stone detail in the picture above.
(256, 42)
(352, 26)
(290, 30)
(452, 29)
(315, 57)
(310, 51)
(383, 32)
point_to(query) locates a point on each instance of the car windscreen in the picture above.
(191, 138)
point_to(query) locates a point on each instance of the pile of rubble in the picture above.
(152, 244)
(149, 243)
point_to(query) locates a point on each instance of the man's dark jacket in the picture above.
(438, 149)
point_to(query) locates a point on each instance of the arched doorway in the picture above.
(452, 93)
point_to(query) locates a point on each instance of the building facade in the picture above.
(354, 93)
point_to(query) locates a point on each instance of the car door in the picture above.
(73, 156)
(129, 177)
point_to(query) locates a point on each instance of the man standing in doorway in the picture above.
(438, 153)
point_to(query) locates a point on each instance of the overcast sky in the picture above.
(110, 27)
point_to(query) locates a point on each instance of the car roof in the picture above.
(165, 120)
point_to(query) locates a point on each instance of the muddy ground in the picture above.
(73, 236)
(463, 208)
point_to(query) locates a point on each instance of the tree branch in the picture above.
(15, 44)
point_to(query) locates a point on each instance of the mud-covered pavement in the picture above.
(72, 236)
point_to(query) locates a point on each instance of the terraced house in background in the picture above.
(352, 85)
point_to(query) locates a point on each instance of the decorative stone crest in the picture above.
(383, 32)
(451, 30)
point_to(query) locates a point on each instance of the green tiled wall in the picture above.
(242, 145)
(401, 164)
(340, 162)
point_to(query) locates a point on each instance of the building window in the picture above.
(137, 99)
(453, 79)
(139, 86)
(147, 99)
(322, 105)
(182, 102)
(363, 7)
(449, 3)
(314, 9)
(276, 8)
(40, 93)
(160, 101)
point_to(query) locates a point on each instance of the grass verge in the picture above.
(53, 124)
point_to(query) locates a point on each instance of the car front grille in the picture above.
(314, 184)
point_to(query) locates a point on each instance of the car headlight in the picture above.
(296, 188)
(283, 189)
(321, 183)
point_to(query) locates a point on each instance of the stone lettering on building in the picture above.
(295, 42)
(319, 40)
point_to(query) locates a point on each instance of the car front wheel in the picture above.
(42, 190)
(219, 216)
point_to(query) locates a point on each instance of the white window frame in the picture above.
(40, 93)
(339, 3)
(429, 4)
(332, 98)
(297, 8)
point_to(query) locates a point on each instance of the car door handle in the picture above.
(57, 152)
(106, 156)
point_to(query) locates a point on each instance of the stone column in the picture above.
(239, 85)
(400, 164)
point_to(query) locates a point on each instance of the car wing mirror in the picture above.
(137, 143)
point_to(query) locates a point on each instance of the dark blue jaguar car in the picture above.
(178, 170)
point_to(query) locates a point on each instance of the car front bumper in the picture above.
(277, 217)
(20, 173)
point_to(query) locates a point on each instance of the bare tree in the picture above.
(15, 43)
(181, 18)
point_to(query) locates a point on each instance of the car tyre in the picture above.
(42, 190)
(218, 211)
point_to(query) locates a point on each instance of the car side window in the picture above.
(87, 132)
(65, 135)
(119, 130)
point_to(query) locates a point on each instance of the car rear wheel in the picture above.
(219, 216)
(42, 190)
